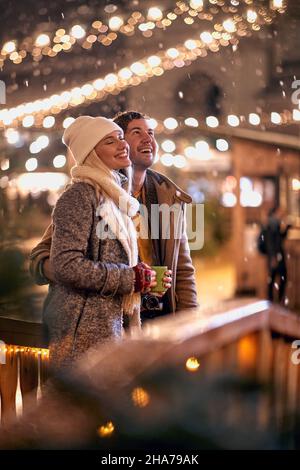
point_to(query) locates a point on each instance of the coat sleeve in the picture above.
(185, 289)
(38, 255)
(72, 223)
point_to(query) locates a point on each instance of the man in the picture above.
(150, 187)
(275, 233)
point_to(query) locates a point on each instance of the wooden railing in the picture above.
(253, 338)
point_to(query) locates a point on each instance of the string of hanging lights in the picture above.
(51, 44)
(39, 112)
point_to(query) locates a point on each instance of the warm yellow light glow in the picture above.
(296, 184)
(277, 3)
(251, 16)
(196, 4)
(154, 14)
(42, 40)
(140, 397)
(47, 181)
(106, 430)
(4, 164)
(115, 23)
(78, 32)
(9, 47)
(247, 351)
(192, 364)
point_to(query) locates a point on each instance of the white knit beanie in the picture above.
(84, 134)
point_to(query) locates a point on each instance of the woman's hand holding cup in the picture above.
(145, 278)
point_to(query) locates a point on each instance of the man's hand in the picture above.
(167, 281)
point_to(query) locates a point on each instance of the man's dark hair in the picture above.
(125, 117)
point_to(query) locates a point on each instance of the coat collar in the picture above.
(176, 191)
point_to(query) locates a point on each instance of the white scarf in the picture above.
(116, 209)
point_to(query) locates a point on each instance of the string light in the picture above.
(154, 14)
(222, 145)
(170, 123)
(48, 122)
(168, 146)
(98, 32)
(31, 164)
(233, 120)
(191, 122)
(251, 16)
(296, 114)
(276, 118)
(179, 161)
(115, 23)
(106, 430)
(59, 161)
(140, 397)
(212, 121)
(192, 364)
(113, 83)
(206, 37)
(254, 119)
(195, 4)
(42, 40)
(14, 349)
(77, 32)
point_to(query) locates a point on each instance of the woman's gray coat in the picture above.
(83, 306)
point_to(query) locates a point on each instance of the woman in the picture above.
(94, 249)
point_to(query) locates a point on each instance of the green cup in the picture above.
(160, 274)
